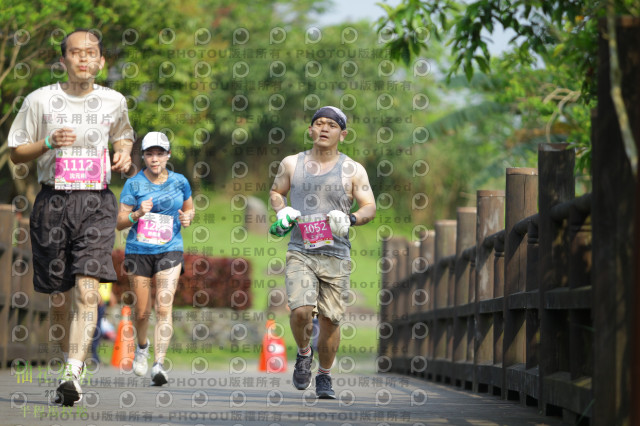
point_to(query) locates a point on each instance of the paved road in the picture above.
(252, 398)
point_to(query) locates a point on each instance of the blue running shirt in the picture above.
(168, 198)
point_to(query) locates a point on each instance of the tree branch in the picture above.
(4, 154)
(3, 46)
(564, 96)
(616, 92)
(12, 63)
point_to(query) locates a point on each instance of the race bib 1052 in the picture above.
(315, 231)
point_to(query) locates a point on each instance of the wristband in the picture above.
(352, 219)
(47, 143)
(131, 219)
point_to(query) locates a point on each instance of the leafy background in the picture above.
(433, 116)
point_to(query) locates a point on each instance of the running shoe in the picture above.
(302, 371)
(324, 390)
(69, 391)
(158, 375)
(140, 361)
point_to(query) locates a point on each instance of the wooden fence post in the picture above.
(465, 238)
(424, 299)
(533, 312)
(394, 268)
(556, 163)
(445, 247)
(385, 298)
(463, 312)
(417, 300)
(521, 202)
(490, 211)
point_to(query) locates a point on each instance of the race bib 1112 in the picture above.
(79, 168)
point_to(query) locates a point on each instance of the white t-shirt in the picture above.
(97, 118)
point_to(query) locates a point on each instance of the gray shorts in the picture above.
(72, 233)
(317, 280)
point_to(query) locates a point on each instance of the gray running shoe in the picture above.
(302, 371)
(324, 390)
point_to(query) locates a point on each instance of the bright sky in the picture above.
(355, 10)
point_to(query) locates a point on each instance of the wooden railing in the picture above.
(504, 305)
(521, 296)
(24, 314)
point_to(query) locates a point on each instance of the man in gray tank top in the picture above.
(322, 185)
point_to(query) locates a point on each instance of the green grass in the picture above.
(217, 231)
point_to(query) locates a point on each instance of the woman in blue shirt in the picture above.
(155, 203)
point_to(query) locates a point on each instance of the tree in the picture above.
(547, 28)
(560, 34)
(29, 51)
(168, 65)
(278, 88)
(29, 34)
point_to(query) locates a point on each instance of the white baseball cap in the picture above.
(152, 139)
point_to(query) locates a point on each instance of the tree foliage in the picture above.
(160, 61)
(235, 86)
(545, 80)
(561, 29)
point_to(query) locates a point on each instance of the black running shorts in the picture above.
(147, 265)
(72, 233)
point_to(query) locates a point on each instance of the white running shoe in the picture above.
(158, 375)
(69, 390)
(140, 361)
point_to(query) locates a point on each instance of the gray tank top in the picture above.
(313, 194)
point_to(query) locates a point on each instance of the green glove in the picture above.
(282, 227)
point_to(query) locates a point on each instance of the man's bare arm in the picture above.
(281, 185)
(363, 194)
(30, 151)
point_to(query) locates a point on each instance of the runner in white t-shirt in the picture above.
(67, 127)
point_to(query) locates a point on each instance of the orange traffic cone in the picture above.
(125, 346)
(273, 356)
